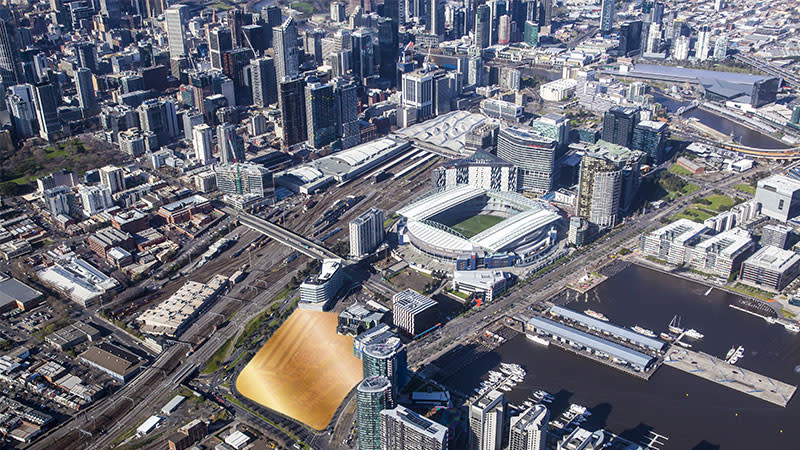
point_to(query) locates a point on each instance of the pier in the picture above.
(714, 369)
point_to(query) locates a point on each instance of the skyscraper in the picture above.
(703, 46)
(287, 53)
(608, 182)
(403, 429)
(244, 179)
(386, 359)
(112, 178)
(436, 15)
(321, 120)
(159, 117)
(388, 49)
(85, 90)
(230, 145)
(618, 124)
(650, 137)
(721, 47)
(174, 18)
(22, 110)
(219, 41)
(418, 93)
(9, 54)
(46, 111)
(482, 30)
(533, 153)
(201, 141)
(606, 15)
(263, 81)
(373, 395)
(291, 95)
(486, 416)
(529, 429)
(87, 55)
(338, 13)
(363, 53)
(272, 17)
(347, 110)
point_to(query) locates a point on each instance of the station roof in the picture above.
(614, 330)
(591, 341)
(448, 130)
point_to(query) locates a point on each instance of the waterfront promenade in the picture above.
(721, 372)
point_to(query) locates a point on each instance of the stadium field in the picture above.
(476, 224)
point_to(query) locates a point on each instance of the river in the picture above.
(692, 412)
(745, 136)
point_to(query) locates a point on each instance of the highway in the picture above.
(790, 78)
(284, 236)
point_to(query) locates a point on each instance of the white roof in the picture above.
(780, 183)
(148, 425)
(433, 204)
(680, 231)
(438, 237)
(306, 173)
(513, 228)
(486, 279)
(727, 243)
(237, 439)
(448, 130)
(773, 258)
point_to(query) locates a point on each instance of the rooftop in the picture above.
(773, 258)
(419, 423)
(447, 130)
(728, 243)
(779, 183)
(606, 327)
(680, 231)
(12, 290)
(412, 301)
(112, 357)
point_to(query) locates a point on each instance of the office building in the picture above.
(673, 243)
(292, 102)
(418, 93)
(504, 30)
(87, 55)
(263, 81)
(553, 126)
(771, 268)
(721, 47)
(230, 146)
(312, 43)
(219, 41)
(618, 125)
(765, 91)
(487, 421)
(287, 52)
(482, 137)
(346, 92)
(338, 13)
(113, 178)
(722, 254)
(318, 291)
(436, 16)
(137, 143)
(45, 98)
(534, 154)
(174, 18)
(272, 17)
(159, 117)
(321, 118)
(703, 45)
(403, 429)
(481, 169)
(85, 90)
(413, 312)
(778, 196)
(191, 119)
(373, 395)
(363, 53)
(366, 233)
(531, 33)
(388, 42)
(651, 138)
(244, 179)
(386, 357)
(201, 141)
(608, 182)
(776, 236)
(22, 110)
(484, 284)
(606, 16)
(482, 29)
(9, 54)
(529, 430)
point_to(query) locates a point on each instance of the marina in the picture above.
(726, 374)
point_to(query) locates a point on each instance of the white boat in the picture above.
(643, 331)
(683, 344)
(730, 353)
(793, 327)
(694, 334)
(736, 356)
(596, 315)
(667, 337)
(675, 325)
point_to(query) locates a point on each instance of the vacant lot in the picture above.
(476, 224)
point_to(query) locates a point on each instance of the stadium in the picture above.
(476, 227)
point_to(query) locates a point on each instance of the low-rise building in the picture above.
(117, 362)
(482, 283)
(356, 318)
(318, 291)
(78, 280)
(72, 335)
(771, 268)
(558, 90)
(171, 316)
(183, 210)
(188, 434)
(15, 294)
(671, 243)
(778, 197)
(107, 238)
(721, 255)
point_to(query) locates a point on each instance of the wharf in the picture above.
(714, 369)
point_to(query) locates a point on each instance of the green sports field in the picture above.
(476, 224)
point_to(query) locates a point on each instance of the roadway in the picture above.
(284, 236)
(790, 78)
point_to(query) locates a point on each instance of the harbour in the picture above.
(695, 413)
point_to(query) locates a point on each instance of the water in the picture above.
(692, 412)
(745, 136)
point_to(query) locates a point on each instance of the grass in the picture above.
(476, 224)
(788, 314)
(304, 7)
(678, 170)
(222, 5)
(458, 294)
(752, 291)
(746, 188)
(718, 202)
(213, 364)
(706, 207)
(696, 215)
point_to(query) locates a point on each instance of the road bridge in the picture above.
(284, 236)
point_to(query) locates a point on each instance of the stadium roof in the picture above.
(614, 330)
(506, 232)
(594, 342)
(440, 201)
